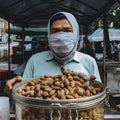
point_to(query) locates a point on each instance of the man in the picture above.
(63, 37)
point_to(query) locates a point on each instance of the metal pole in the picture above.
(9, 41)
(86, 37)
(23, 50)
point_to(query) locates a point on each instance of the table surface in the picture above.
(109, 63)
(106, 117)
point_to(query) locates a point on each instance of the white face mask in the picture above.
(62, 43)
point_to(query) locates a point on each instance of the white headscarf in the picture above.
(75, 27)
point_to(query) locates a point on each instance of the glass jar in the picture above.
(89, 108)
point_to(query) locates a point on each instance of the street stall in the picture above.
(112, 65)
(36, 14)
(32, 37)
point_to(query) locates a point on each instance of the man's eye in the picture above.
(67, 31)
(55, 31)
(58, 30)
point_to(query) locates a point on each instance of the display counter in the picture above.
(111, 67)
(109, 63)
(112, 74)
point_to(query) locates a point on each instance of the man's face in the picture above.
(61, 25)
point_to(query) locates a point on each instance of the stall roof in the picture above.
(28, 31)
(36, 13)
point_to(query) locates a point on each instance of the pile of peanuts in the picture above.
(96, 113)
(69, 85)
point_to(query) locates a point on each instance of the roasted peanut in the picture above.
(66, 91)
(76, 96)
(32, 93)
(48, 89)
(20, 90)
(92, 77)
(31, 83)
(69, 97)
(45, 94)
(58, 83)
(87, 93)
(72, 83)
(80, 91)
(39, 94)
(52, 92)
(98, 90)
(66, 82)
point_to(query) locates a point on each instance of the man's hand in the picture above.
(9, 84)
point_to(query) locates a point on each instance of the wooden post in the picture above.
(106, 35)
(106, 49)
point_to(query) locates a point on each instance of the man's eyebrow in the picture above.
(68, 28)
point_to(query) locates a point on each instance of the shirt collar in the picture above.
(50, 57)
(76, 57)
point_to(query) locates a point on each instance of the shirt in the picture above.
(43, 63)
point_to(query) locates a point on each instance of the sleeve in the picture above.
(28, 72)
(95, 70)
